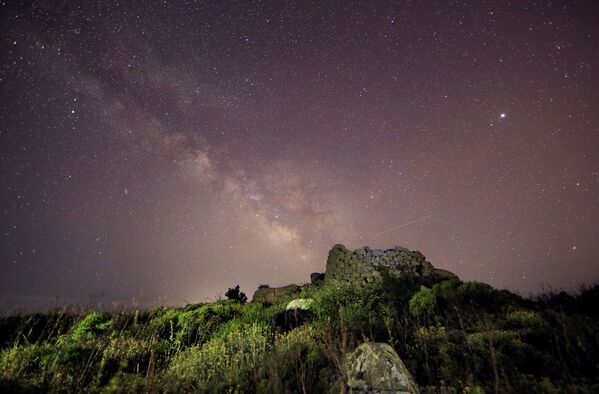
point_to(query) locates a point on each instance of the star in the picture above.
(284, 137)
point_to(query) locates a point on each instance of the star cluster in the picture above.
(168, 150)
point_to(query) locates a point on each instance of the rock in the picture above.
(374, 367)
(377, 252)
(275, 294)
(300, 303)
(316, 278)
(297, 313)
(359, 266)
(336, 262)
(418, 255)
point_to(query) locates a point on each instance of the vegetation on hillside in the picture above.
(453, 337)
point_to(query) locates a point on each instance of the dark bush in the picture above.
(236, 295)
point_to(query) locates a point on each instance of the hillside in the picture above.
(452, 336)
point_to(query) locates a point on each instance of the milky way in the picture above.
(164, 151)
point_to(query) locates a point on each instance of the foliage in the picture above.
(236, 295)
(453, 336)
(224, 363)
(196, 326)
(423, 303)
(92, 323)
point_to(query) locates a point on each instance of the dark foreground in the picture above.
(454, 337)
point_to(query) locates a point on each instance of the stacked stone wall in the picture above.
(364, 265)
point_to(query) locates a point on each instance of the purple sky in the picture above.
(166, 151)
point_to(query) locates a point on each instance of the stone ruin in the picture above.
(362, 266)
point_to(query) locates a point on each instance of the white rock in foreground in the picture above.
(300, 303)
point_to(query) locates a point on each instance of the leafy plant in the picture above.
(453, 337)
(423, 303)
(92, 323)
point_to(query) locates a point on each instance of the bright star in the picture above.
(503, 116)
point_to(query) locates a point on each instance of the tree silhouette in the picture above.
(236, 295)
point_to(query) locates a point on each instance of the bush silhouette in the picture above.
(236, 295)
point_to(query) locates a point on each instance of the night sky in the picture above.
(165, 151)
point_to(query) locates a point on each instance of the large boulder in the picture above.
(375, 367)
(275, 294)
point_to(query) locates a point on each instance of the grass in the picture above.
(454, 337)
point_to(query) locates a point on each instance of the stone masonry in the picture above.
(362, 265)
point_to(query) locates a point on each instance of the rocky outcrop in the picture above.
(364, 265)
(375, 367)
(275, 294)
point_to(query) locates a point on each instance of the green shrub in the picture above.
(296, 363)
(262, 314)
(198, 325)
(477, 293)
(398, 288)
(161, 323)
(32, 328)
(360, 309)
(455, 337)
(92, 323)
(510, 353)
(131, 354)
(24, 359)
(437, 357)
(523, 319)
(423, 303)
(483, 297)
(224, 363)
